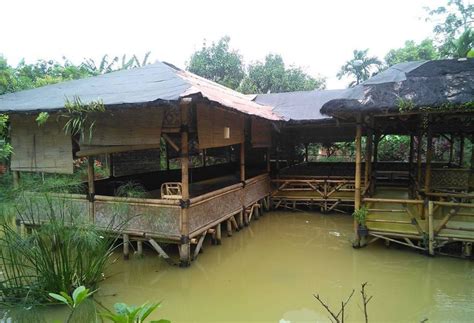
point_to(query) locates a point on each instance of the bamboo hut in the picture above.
(148, 110)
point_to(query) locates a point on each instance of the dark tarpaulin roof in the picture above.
(300, 105)
(154, 83)
(422, 84)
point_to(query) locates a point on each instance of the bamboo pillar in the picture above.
(185, 246)
(419, 165)
(306, 153)
(430, 228)
(410, 165)
(451, 149)
(373, 179)
(91, 187)
(368, 156)
(471, 173)
(461, 150)
(16, 179)
(167, 147)
(242, 161)
(139, 248)
(204, 157)
(357, 195)
(269, 168)
(429, 156)
(126, 246)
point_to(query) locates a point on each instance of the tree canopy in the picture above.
(425, 50)
(361, 67)
(219, 63)
(273, 76)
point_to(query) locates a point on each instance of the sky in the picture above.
(317, 35)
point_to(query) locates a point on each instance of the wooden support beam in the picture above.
(113, 149)
(461, 150)
(185, 247)
(429, 156)
(229, 228)
(218, 234)
(368, 155)
(140, 248)
(170, 142)
(451, 149)
(241, 219)
(357, 193)
(199, 245)
(430, 228)
(160, 251)
(126, 246)
(375, 156)
(242, 161)
(306, 152)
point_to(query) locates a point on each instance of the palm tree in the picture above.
(360, 67)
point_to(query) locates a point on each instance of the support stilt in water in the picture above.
(185, 254)
(185, 246)
(126, 246)
(218, 234)
(467, 249)
(229, 228)
(140, 248)
(357, 194)
(241, 219)
(431, 228)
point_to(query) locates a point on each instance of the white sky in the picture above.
(317, 35)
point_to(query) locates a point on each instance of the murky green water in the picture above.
(269, 271)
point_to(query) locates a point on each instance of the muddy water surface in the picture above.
(269, 272)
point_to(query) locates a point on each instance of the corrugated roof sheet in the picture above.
(151, 83)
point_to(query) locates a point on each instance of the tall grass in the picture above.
(64, 252)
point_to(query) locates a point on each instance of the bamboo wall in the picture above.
(44, 148)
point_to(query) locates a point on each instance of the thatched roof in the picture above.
(150, 85)
(431, 84)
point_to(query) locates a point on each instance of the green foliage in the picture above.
(131, 189)
(273, 76)
(450, 22)
(42, 118)
(360, 215)
(66, 251)
(77, 114)
(5, 147)
(78, 296)
(360, 66)
(425, 50)
(132, 314)
(218, 63)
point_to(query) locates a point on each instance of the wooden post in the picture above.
(167, 147)
(204, 157)
(242, 161)
(430, 228)
(218, 234)
(91, 187)
(357, 195)
(16, 179)
(185, 246)
(268, 160)
(471, 173)
(429, 156)
(139, 248)
(419, 148)
(229, 228)
(410, 166)
(373, 173)
(306, 153)
(451, 149)
(368, 155)
(241, 219)
(126, 246)
(461, 150)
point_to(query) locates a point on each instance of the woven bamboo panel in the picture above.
(261, 133)
(155, 220)
(211, 124)
(214, 209)
(448, 178)
(44, 148)
(256, 191)
(136, 162)
(126, 127)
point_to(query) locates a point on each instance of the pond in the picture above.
(269, 271)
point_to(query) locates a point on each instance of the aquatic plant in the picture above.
(360, 215)
(78, 296)
(132, 314)
(66, 251)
